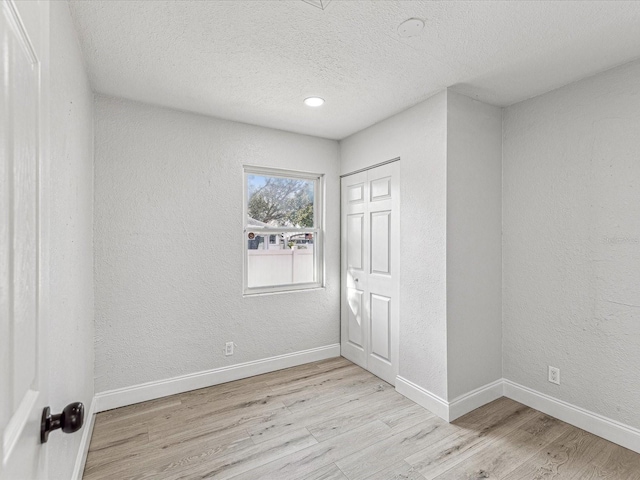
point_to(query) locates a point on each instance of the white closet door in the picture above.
(370, 261)
(355, 264)
(383, 276)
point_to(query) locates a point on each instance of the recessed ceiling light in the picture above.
(410, 28)
(313, 101)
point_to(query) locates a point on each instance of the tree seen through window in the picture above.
(281, 202)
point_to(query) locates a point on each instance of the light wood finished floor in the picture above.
(332, 420)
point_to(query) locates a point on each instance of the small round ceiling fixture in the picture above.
(410, 28)
(313, 101)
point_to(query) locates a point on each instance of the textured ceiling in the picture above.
(255, 61)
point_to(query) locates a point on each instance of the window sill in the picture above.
(280, 292)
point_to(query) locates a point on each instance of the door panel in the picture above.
(380, 326)
(355, 193)
(380, 188)
(370, 259)
(380, 242)
(22, 392)
(355, 247)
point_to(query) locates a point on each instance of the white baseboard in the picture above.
(468, 402)
(616, 432)
(604, 427)
(83, 450)
(458, 407)
(162, 388)
(423, 397)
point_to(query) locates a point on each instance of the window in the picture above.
(283, 231)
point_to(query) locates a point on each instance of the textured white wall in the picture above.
(571, 194)
(418, 136)
(168, 245)
(70, 331)
(474, 239)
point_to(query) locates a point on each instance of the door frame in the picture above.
(396, 159)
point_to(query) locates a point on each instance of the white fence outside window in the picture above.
(280, 267)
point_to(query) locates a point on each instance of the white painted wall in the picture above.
(450, 307)
(168, 245)
(70, 331)
(418, 136)
(571, 195)
(474, 239)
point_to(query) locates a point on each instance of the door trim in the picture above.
(397, 159)
(85, 441)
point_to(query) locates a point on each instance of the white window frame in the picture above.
(317, 229)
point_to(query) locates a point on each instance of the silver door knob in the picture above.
(356, 279)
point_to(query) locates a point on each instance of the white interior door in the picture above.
(355, 259)
(22, 386)
(370, 269)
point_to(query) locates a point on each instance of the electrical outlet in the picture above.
(228, 349)
(554, 375)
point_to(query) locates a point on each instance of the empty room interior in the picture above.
(319, 239)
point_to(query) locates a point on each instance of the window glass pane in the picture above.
(290, 259)
(279, 202)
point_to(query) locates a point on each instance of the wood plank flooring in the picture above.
(332, 420)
